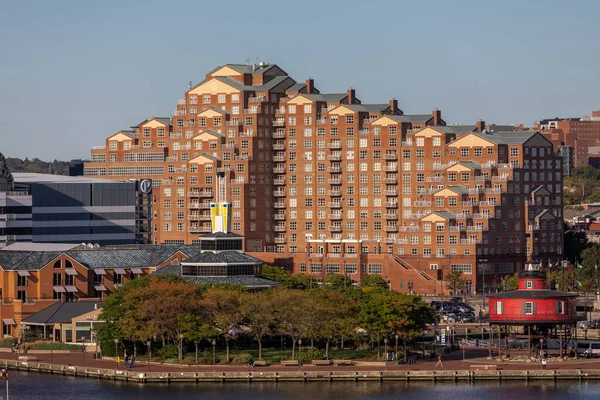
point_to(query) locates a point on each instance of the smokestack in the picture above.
(310, 84)
(437, 117)
(351, 94)
(480, 125)
(393, 105)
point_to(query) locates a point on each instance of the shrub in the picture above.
(308, 356)
(169, 351)
(241, 359)
(8, 342)
(47, 345)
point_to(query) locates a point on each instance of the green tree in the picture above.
(511, 282)
(223, 310)
(455, 281)
(294, 314)
(590, 260)
(337, 282)
(373, 282)
(287, 279)
(259, 315)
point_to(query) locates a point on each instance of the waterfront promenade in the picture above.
(454, 369)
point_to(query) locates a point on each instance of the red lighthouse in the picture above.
(538, 310)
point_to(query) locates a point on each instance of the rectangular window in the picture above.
(499, 307)
(528, 308)
(560, 307)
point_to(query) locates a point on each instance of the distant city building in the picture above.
(567, 153)
(43, 208)
(322, 183)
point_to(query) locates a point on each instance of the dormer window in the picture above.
(529, 285)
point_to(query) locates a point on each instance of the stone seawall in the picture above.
(301, 376)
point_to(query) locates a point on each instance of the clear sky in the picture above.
(74, 72)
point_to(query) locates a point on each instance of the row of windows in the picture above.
(138, 170)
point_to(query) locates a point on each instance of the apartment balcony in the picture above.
(279, 170)
(391, 181)
(415, 216)
(224, 169)
(251, 111)
(193, 217)
(435, 179)
(456, 228)
(257, 99)
(391, 168)
(279, 193)
(334, 146)
(242, 157)
(280, 111)
(334, 228)
(481, 178)
(469, 241)
(475, 228)
(179, 113)
(315, 255)
(334, 205)
(475, 191)
(279, 217)
(390, 156)
(334, 157)
(487, 204)
(481, 216)
(278, 135)
(391, 228)
(200, 229)
(278, 181)
(278, 123)
(440, 167)
(409, 229)
(391, 193)
(279, 146)
(494, 191)
(200, 193)
(533, 227)
(335, 193)
(336, 216)
(205, 217)
(391, 217)
(229, 146)
(508, 166)
(335, 170)
(501, 178)
(422, 204)
(467, 204)
(428, 191)
(363, 132)
(321, 121)
(279, 204)
(391, 204)
(233, 123)
(406, 143)
(335, 181)
(334, 255)
(279, 228)
(278, 158)
(194, 205)
(280, 240)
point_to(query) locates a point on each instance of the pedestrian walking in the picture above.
(440, 363)
(126, 359)
(132, 361)
(543, 363)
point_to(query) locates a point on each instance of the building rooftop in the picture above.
(222, 257)
(252, 282)
(32, 177)
(30, 246)
(61, 313)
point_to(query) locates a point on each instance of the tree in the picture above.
(590, 260)
(510, 282)
(373, 282)
(337, 282)
(223, 309)
(258, 314)
(455, 281)
(575, 243)
(294, 314)
(287, 280)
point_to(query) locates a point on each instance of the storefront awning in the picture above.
(120, 271)
(100, 271)
(59, 289)
(71, 289)
(24, 273)
(71, 271)
(137, 271)
(100, 288)
(8, 321)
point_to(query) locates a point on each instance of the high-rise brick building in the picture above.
(322, 183)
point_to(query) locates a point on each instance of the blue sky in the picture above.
(74, 72)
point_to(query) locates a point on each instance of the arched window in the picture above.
(58, 264)
(68, 264)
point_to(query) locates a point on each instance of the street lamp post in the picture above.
(149, 344)
(83, 349)
(385, 342)
(181, 349)
(396, 353)
(299, 349)
(214, 343)
(51, 341)
(117, 352)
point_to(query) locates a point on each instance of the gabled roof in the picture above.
(219, 110)
(470, 164)
(445, 214)
(458, 189)
(211, 132)
(413, 119)
(165, 120)
(247, 68)
(326, 97)
(507, 137)
(367, 107)
(61, 313)
(136, 256)
(239, 280)
(540, 188)
(462, 129)
(271, 84)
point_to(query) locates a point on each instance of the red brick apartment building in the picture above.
(321, 183)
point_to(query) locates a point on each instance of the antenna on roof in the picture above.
(247, 59)
(190, 84)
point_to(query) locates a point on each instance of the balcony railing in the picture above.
(334, 146)
(469, 241)
(391, 204)
(334, 205)
(391, 228)
(278, 181)
(279, 170)
(335, 193)
(409, 229)
(334, 228)
(437, 179)
(279, 146)
(279, 217)
(391, 193)
(279, 193)
(334, 157)
(391, 168)
(391, 216)
(278, 135)
(279, 228)
(335, 181)
(390, 156)
(279, 204)
(280, 240)
(335, 216)
(335, 170)
(391, 181)
(422, 204)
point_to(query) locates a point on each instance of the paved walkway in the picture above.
(452, 361)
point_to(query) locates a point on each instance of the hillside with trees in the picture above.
(36, 165)
(583, 186)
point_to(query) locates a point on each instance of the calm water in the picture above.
(32, 386)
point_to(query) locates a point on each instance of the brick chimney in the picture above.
(310, 84)
(437, 117)
(351, 95)
(393, 105)
(480, 125)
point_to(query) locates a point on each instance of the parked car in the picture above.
(582, 325)
(467, 317)
(588, 348)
